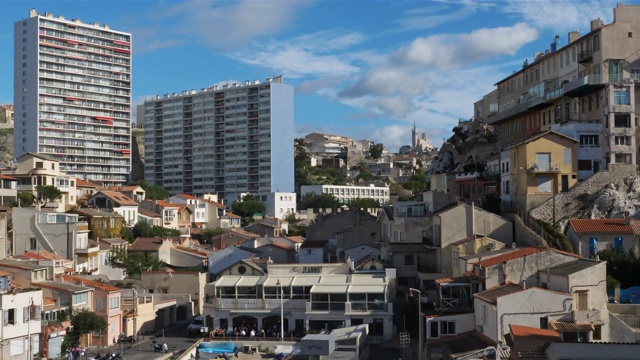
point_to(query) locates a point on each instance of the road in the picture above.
(177, 340)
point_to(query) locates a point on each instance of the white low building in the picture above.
(345, 193)
(312, 297)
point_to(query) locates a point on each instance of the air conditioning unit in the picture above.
(479, 328)
(491, 246)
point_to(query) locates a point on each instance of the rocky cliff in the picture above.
(6, 145)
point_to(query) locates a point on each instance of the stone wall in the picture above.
(524, 236)
(565, 205)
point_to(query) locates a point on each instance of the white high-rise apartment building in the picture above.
(232, 139)
(72, 96)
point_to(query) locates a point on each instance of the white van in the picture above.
(196, 325)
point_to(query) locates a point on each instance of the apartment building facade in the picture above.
(225, 139)
(585, 89)
(72, 95)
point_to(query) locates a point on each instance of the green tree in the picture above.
(84, 322)
(622, 265)
(302, 158)
(363, 203)
(208, 234)
(134, 262)
(25, 199)
(248, 206)
(315, 201)
(376, 150)
(47, 193)
(156, 192)
(144, 229)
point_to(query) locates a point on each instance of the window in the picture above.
(114, 303)
(544, 322)
(447, 328)
(623, 140)
(409, 259)
(99, 304)
(79, 299)
(623, 159)
(584, 165)
(597, 333)
(588, 140)
(434, 327)
(621, 96)
(33, 244)
(9, 317)
(622, 120)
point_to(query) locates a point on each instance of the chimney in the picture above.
(524, 284)
(597, 23)
(537, 55)
(573, 36)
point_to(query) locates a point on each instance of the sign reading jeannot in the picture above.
(306, 270)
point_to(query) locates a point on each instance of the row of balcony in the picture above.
(580, 87)
(296, 304)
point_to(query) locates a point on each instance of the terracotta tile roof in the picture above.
(296, 238)
(182, 207)
(243, 233)
(44, 255)
(526, 331)
(314, 244)
(614, 226)
(5, 177)
(166, 204)
(146, 244)
(48, 301)
(231, 215)
(457, 279)
(86, 282)
(118, 198)
(189, 250)
(572, 326)
(148, 213)
(275, 244)
(84, 183)
(215, 203)
(4, 273)
(512, 255)
(492, 295)
(187, 196)
(124, 188)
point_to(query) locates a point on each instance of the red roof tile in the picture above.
(231, 215)
(187, 196)
(118, 197)
(166, 204)
(519, 253)
(572, 326)
(94, 284)
(615, 226)
(84, 183)
(149, 213)
(526, 331)
(146, 244)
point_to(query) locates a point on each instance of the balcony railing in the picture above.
(543, 168)
(593, 316)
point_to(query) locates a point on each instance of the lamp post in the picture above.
(411, 290)
(281, 311)
(30, 307)
(496, 349)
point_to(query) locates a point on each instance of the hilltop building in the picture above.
(227, 139)
(72, 84)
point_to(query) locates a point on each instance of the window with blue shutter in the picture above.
(593, 246)
(618, 243)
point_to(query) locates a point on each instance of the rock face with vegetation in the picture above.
(6, 145)
(472, 143)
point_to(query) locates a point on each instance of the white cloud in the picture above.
(306, 55)
(392, 136)
(219, 24)
(566, 15)
(446, 52)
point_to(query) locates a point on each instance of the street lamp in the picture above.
(496, 350)
(281, 311)
(411, 290)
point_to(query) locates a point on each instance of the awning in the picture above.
(120, 42)
(273, 281)
(248, 281)
(123, 51)
(306, 280)
(367, 289)
(572, 326)
(227, 281)
(366, 280)
(335, 279)
(104, 118)
(325, 289)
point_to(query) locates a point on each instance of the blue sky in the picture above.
(365, 69)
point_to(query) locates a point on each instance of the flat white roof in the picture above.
(367, 289)
(306, 280)
(334, 279)
(249, 281)
(273, 281)
(366, 279)
(329, 289)
(228, 281)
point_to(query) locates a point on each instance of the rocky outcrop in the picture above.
(6, 145)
